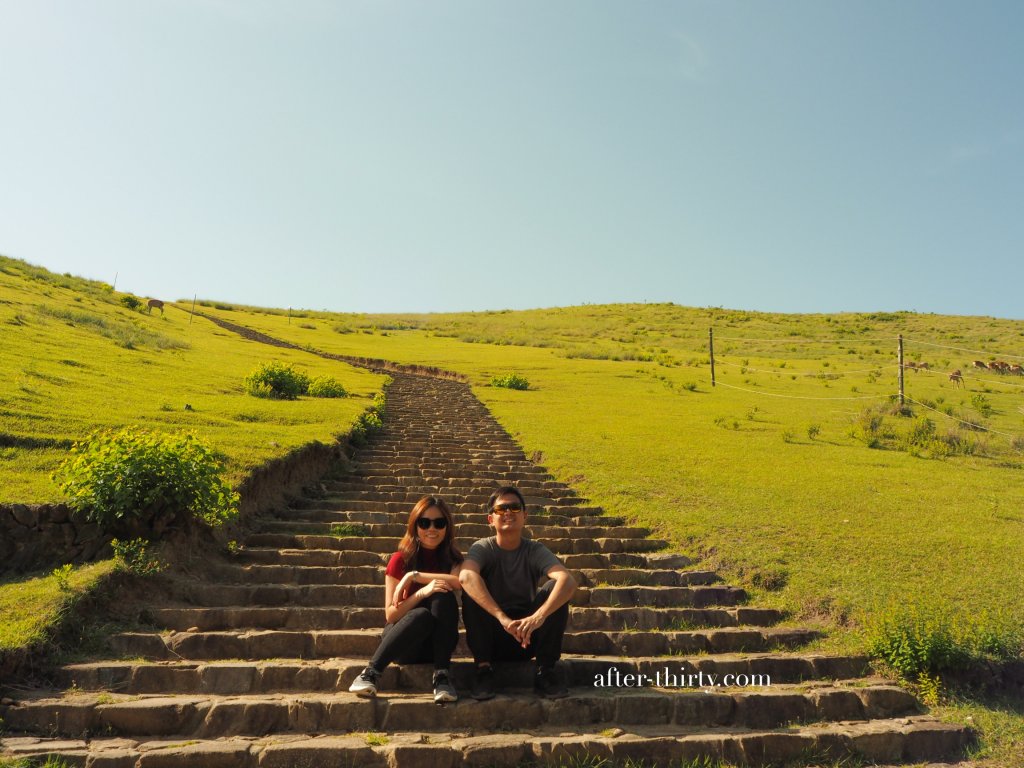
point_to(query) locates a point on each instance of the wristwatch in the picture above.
(415, 575)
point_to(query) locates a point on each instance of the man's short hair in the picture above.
(504, 490)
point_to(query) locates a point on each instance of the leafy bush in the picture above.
(326, 386)
(370, 420)
(134, 557)
(510, 381)
(278, 381)
(921, 641)
(130, 302)
(113, 477)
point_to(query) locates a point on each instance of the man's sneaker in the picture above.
(444, 691)
(547, 682)
(366, 684)
(483, 684)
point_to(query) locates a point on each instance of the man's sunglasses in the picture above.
(439, 522)
(513, 507)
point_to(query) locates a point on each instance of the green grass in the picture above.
(32, 605)
(73, 359)
(846, 528)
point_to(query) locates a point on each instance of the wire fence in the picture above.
(957, 376)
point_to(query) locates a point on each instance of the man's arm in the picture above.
(565, 587)
(473, 585)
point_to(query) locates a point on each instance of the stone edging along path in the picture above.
(251, 665)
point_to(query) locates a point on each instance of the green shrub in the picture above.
(278, 381)
(134, 557)
(62, 575)
(116, 476)
(326, 386)
(130, 302)
(919, 641)
(510, 381)
(370, 420)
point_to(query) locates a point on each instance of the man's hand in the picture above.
(522, 629)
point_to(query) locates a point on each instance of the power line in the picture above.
(960, 349)
(801, 397)
(806, 341)
(718, 359)
(970, 424)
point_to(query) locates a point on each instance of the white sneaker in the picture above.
(366, 684)
(444, 691)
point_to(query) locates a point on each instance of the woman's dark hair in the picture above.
(410, 545)
(505, 489)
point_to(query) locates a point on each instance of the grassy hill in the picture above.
(793, 472)
(74, 358)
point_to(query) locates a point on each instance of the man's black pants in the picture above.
(490, 642)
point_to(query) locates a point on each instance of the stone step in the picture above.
(347, 617)
(362, 595)
(525, 485)
(464, 530)
(321, 515)
(391, 484)
(374, 574)
(912, 739)
(464, 495)
(251, 677)
(327, 644)
(567, 546)
(210, 716)
(538, 508)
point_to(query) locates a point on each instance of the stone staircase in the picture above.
(252, 666)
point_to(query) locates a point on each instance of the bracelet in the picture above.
(415, 575)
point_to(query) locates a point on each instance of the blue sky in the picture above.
(435, 156)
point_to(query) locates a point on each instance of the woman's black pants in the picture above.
(428, 632)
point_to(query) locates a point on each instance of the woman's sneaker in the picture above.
(444, 691)
(366, 684)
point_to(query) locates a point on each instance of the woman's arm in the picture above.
(394, 608)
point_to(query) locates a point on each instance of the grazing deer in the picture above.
(911, 366)
(957, 378)
(923, 367)
(155, 303)
(981, 364)
(1017, 370)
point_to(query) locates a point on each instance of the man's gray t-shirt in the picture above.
(511, 575)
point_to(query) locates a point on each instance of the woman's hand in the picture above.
(400, 589)
(432, 586)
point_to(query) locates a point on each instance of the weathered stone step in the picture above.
(362, 595)
(540, 507)
(327, 644)
(207, 716)
(912, 739)
(347, 617)
(387, 543)
(325, 557)
(416, 486)
(525, 485)
(465, 495)
(248, 677)
(335, 516)
(463, 530)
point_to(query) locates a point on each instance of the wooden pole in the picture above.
(289, 315)
(711, 350)
(900, 348)
(194, 297)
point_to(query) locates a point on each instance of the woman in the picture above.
(422, 624)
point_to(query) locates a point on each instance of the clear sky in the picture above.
(435, 156)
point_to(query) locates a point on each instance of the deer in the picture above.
(981, 364)
(957, 378)
(155, 303)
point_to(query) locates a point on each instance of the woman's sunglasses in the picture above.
(439, 522)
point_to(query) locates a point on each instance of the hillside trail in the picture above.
(251, 666)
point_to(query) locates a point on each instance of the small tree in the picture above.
(277, 380)
(510, 381)
(116, 477)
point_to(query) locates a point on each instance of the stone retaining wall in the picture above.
(42, 536)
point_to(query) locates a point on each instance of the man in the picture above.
(507, 617)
